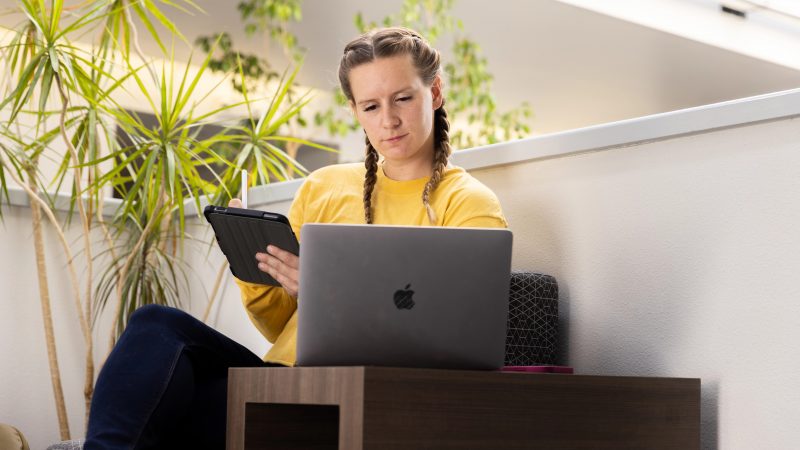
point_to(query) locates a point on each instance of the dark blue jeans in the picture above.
(164, 384)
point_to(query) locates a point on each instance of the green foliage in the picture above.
(333, 118)
(256, 147)
(156, 275)
(469, 98)
(166, 167)
(269, 17)
(227, 59)
(430, 17)
(12, 148)
(163, 162)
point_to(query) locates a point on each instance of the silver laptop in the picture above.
(403, 296)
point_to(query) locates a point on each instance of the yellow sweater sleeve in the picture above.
(270, 308)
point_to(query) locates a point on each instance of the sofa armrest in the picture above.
(12, 439)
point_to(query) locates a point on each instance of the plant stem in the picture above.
(47, 316)
(37, 206)
(88, 386)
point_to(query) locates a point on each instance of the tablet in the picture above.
(241, 233)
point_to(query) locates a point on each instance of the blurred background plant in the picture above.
(470, 102)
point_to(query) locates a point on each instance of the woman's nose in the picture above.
(390, 118)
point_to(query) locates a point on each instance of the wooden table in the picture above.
(364, 408)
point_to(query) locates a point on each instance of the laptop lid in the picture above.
(403, 296)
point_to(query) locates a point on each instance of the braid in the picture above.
(441, 152)
(371, 163)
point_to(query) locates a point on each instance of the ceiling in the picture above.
(575, 67)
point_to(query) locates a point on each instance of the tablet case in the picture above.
(241, 233)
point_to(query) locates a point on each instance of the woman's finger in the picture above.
(283, 273)
(269, 261)
(288, 258)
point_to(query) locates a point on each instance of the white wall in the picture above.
(677, 258)
(675, 253)
(26, 395)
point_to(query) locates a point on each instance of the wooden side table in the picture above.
(365, 408)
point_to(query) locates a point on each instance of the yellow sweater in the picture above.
(334, 194)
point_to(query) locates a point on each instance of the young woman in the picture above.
(164, 384)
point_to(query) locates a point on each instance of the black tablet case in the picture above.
(241, 233)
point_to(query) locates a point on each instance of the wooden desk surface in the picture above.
(387, 408)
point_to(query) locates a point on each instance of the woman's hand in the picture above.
(281, 265)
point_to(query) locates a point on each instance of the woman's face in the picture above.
(396, 109)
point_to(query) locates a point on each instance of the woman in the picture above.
(164, 384)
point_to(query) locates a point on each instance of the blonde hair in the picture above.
(385, 43)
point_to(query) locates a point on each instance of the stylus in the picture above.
(244, 189)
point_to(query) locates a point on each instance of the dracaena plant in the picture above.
(59, 101)
(159, 175)
(257, 146)
(43, 61)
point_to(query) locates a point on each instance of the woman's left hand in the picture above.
(283, 266)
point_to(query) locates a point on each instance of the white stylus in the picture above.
(244, 189)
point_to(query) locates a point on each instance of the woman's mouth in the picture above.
(396, 138)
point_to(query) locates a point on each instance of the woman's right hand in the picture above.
(280, 264)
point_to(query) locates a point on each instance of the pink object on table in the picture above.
(538, 369)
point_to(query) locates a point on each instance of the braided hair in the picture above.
(371, 163)
(385, 43)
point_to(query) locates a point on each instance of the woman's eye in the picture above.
(404, 99)
(369, 108)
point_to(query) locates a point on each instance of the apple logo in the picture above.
(403, 298)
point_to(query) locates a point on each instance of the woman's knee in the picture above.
(159, 316)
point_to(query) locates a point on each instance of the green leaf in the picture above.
(23, 83)
(53, 59)
(277, 100)
(304, 142)
(163, 19)
(44, 92)
(71, 71)
(137, 8)
(32, 16)
(55, 13)
(293, 111)
(171, 168)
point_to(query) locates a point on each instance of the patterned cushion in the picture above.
(532, 320)
(67, 445)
